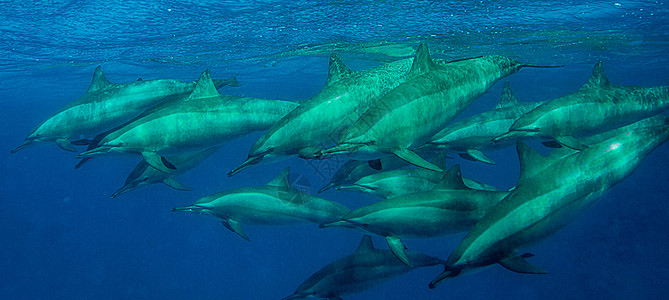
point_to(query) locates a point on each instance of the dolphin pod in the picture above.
(106, 105)
(451, 208)
(396, 122)
(598, 106)
(410, 114)
(320, 120)
(537, 207)
(202, 120)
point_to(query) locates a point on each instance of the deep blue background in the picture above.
(62, 237)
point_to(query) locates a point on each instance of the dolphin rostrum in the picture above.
(597, 107)
(276, 203)
(551, 192)
(360, 271)
(432, 96)
(450, 209)
(202, 120)
(106, 105)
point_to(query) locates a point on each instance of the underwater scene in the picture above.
(334, 149)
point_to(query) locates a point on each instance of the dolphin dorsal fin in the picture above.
(452, 180)
(99, 81)
(507, 99)
(598, 78)
(529, 159)
(337, 71)
(365, 244)
(204, 87)
(422, 63)
(282, 179)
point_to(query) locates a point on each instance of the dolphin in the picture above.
(597, 107)
(393, 183)
(320, 120)
(106, 105)
(451, 209)
(551, 192)
(202, 120)
(472, 136)
(276, 203)
(144, 175)
(431, 97)
(360, 271)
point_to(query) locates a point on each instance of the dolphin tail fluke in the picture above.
(25, 144)
(397, 247)
(415, 159)
(518, 264)
(447, 273)
(232, 81)
(246, 164)
(235, 227)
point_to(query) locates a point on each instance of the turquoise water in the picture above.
(64, 238)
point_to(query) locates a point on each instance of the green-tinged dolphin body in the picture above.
(451, 209)
(276, 203)
(551, 192)
(106, 105)
(393, 183)
(202, 120)
(320, 120)
(365, 268)
(597, 107)
(409, 115)
(472, 136)
(143, 174)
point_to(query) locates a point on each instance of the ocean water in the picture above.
(64, 238)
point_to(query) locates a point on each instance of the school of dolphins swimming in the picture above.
(394, 122)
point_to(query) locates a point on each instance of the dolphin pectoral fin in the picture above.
(173, 183)
(448, 273)
(477, 155)
(397, 247)
(156, 161)
(375, 164)
(65, 145)
(518, 264)
(570, 142)
(551, 144)
(235, 227)
(415, 159)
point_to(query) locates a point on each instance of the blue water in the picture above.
(63, 238)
